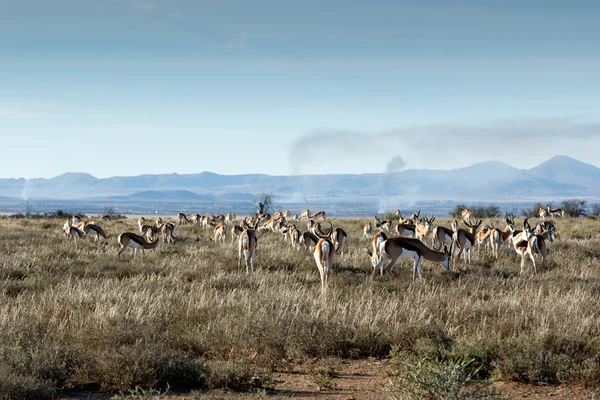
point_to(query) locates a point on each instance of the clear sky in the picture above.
(126, 87)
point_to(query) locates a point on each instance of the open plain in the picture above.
(185, 319)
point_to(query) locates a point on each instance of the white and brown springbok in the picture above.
(235, 232)
(304, 214)
(412, 219)
(466, 215)
(96, 230)
(395, 249)
(465, 240)
(423, 228)
(407, 228)
(555, 212)
(182, 218)
(220, 231)
(367, 229)
(441, 236)
(535, 244)
(383, 224)
(247, 245)
(323, 254)
(137, 242)
(319, 214)
(373, 252)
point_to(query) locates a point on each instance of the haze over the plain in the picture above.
(130, 87)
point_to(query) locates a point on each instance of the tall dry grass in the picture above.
(185, 317)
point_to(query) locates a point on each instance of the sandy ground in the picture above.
(362, 379)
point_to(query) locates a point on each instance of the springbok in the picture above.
(367, 229)
(535, 244)
(137, 242)
(555, 212)
(395, 249)
(423, 227)
(323, 254)
(247, 245)
(181, 218)
(98, 232)
(465, 240)
(373, 252)
(385, 224)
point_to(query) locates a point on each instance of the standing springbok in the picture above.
(373, 252)
(465, 240)
(466, 215)
(395, 249)
(441, 236)
(423, 228)
(247, 245)
(535, 244)
(220, 232)
(367, 229)
(385, 224)
(555, 212)
(323, 254)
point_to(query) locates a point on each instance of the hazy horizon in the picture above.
(131, 87)
(256, 173)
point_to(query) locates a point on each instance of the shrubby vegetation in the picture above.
(184, 317)
(477, 211)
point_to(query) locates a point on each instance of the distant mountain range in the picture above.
(559, 177)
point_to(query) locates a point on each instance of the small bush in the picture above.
(489, 211)
(324, 372)
(549, 360)
(438, 380)
(236, 376)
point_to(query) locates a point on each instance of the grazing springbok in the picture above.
(320, 214)
(96, 230)
(395, 249)
(182, 218)
(74, 233)
(323, 253)
(247, 245)
(137, 242)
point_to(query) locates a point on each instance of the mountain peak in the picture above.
(565, 169)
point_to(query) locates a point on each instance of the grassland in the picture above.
(185, 317)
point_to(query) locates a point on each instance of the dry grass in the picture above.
(184, 317)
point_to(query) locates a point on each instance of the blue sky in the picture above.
(126, 87)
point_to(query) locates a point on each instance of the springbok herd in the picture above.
(389, 241)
